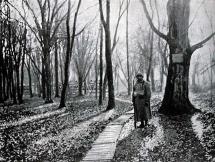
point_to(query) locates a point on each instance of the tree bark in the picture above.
(152, 80)
(96, 73)
(101, 66)
(106, 25)
(48, 98)
(56, 70)
(176, 97)
(151, 56)
(80, 86)
(127, 51)
(43, 79)
(29, 80)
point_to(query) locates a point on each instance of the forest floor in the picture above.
(37, 132)
(178, 138)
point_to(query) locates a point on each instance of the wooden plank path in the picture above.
(103, 148)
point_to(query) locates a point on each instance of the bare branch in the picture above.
(101, 13)
(200, 44)
(165, 37)
(85, 26)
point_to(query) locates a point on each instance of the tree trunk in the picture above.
(18, 85)
(127, 51)
(104, 85)
(101, 66)
(70, 43)
(43, 80)
(176, 97)
(106, 25)
(29, 80)
(56, 70)
(152, 80)
(96, 74)
(80, 85)
(23, 64)
(151, 56)
(48, 98)
(1, 73)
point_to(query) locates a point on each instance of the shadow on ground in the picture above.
(165, 139)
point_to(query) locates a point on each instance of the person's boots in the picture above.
(142, 124)
(146, 122)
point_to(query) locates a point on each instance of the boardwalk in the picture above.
(103, 148)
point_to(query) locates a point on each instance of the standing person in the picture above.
(141, 100)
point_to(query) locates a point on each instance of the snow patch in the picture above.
(151, 142)
(33, 118)
(74, 131)
(197, 126)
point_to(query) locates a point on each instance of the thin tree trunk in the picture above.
(111, 96)
(70, 43)
(151, 56)
(43, 79)
(80, 86)
(101, 66)
(104, 85)
(152, 80)
(28, 67)
(96, 73)
(56, 70)
(127, 51)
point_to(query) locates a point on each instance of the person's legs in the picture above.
(142, 124)
(146, 122)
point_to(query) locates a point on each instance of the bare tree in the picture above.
(70, 44)
(176, 98)
(84, 57)
(108, 53)
(45, 32)
(115, 39)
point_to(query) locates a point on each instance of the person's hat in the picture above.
(139, 74)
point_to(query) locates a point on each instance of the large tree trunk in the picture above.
(176, 97)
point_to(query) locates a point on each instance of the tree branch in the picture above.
(200, 44)
(102, 14)
(165, 37)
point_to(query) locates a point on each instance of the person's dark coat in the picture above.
(141, 99)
